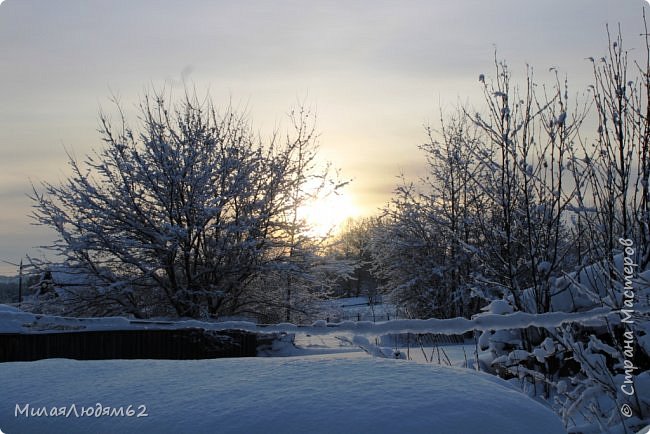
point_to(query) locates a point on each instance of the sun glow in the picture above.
(326, 214)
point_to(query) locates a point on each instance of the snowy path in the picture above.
(321, 341)
(450, 354)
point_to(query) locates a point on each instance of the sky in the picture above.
(375, 72)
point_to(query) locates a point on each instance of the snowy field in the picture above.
(347, 393)
(357, 309)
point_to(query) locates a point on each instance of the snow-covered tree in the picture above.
(418, 249)
(184, 213)
(407, 253)
(353, 244)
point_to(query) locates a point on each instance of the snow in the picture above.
(645, 430)
(7, 308)
(546, 349)
(21, 322)
(301, 344)
(459, 355)
(587, 288)
(387, 346)
(357, 308)
(498, 307)
(268, 395)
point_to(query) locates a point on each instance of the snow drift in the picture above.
(267, 395)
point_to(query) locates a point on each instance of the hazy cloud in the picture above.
(375, 70)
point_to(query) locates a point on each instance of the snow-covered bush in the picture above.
(554, 218)
(583, 369)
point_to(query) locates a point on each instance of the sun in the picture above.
(326, 214)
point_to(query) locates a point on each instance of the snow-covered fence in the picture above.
(14, 321)
(451, 326)
(424, 339)
(358, 316)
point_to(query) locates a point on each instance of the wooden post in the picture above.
(20, 283)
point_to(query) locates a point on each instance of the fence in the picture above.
(178, 344)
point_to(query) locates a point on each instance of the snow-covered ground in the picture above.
(356, 309)
(316, 394)
(459, 355)
(326, 382)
